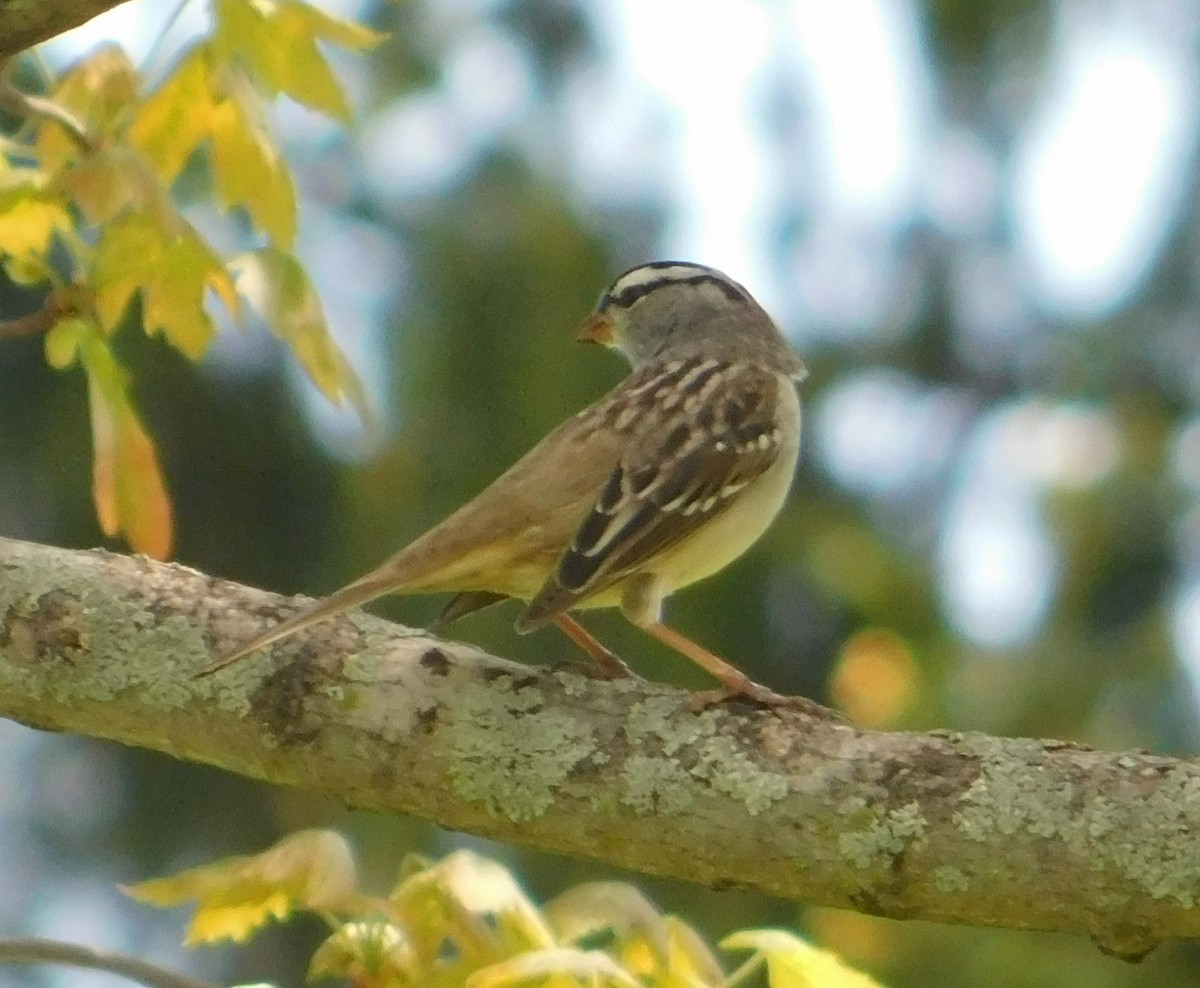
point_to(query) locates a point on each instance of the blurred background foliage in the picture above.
(978, 222)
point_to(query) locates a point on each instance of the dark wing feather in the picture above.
(462, 604)
(701, 437)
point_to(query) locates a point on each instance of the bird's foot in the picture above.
(600, 671)
(608, 665)
(744, 688)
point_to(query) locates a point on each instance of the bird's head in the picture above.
(675, 308)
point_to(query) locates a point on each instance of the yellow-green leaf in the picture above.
(64, 339)
(173, 303)
(312, 869)
(366, 953)
(689, 959)
(127, 482)
(663, 949)
(446, 900)
(54, 147)
(278, 39)
(24, 271)
(593, 907)
(249, 171)
(29, 217)
(17, 175)
(129, 250)
(100, 89)
(276, 287)
(172, 268)
(176, 118)
(555, 967)
(111, 180)
(334, 30)
(795, 963)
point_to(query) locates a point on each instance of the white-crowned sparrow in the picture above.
(662, 482)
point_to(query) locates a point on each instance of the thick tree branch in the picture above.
(954, 827)
(24, 23)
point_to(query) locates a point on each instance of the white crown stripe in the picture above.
(638, 282)
(649, 275)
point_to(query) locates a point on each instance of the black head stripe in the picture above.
(702, 275)
(635, 292)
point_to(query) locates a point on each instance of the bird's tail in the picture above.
(367, 588)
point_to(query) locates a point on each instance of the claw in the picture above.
(747, 689)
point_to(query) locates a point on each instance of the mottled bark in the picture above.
(24, 23)
(959, 828)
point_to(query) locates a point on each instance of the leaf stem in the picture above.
(33, 324)
(744, 971)
(30, 105)
(34, 950)
(60, 302)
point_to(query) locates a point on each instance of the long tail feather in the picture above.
(373, 585)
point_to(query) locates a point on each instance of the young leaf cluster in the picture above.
(464, 920)
(89, 212)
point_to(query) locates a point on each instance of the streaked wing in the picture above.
(507, 538)
(707, 429)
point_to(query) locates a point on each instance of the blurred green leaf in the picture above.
(277, 39)
(64, 341)
(795, 963)
(127, 482)
(278, 290)
(29, 217)
(171, 268)
(248, 169)
(176, 118)
(235, 897)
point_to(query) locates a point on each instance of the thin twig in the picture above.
(30, 105)
(32, 950)
(33, 324)
(59, 303)
(744, 970)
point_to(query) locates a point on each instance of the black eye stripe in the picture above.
(628, 297)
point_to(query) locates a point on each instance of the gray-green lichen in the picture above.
(709, 755)
(658, 717)
(883, 839)
(655, 785)
(1147, 838)
(510, 753)
(173, 641)
(230, 690)
(1161, 850)
(573, 684)
(947, 878)
(1009, 797)
(729, 770)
